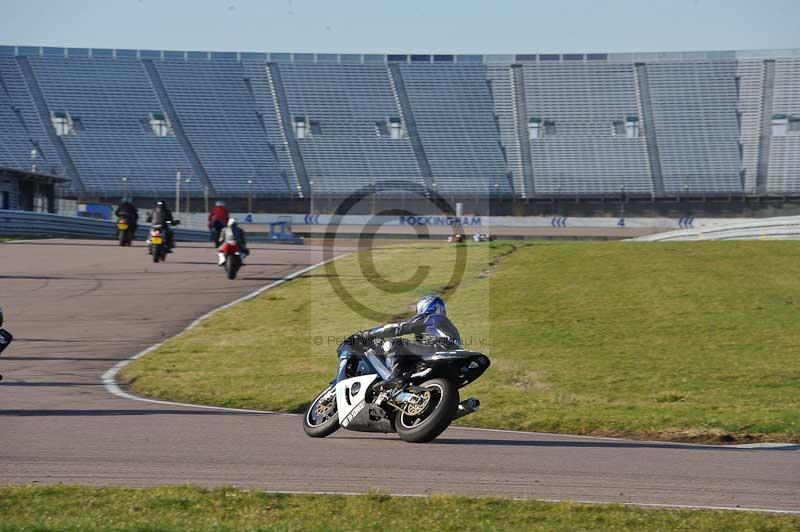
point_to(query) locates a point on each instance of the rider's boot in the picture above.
(395, 381)
(220, 259)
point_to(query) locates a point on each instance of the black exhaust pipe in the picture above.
(466, 407)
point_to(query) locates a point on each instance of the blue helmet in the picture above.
(431, 304)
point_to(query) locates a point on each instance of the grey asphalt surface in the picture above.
(77, 308)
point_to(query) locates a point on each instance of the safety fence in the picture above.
(26, 223)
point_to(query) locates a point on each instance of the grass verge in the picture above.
(189, 508)
(671, 341)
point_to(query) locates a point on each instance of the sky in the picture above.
(404, 26)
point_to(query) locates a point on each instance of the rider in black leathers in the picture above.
(127, 209)
(432, 331)
(160, 216)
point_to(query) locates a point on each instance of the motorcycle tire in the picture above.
(416, 430)
(328, 425)
(232, 264)
(157, 252)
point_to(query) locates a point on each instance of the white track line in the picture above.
(109, 377)
(109, 381)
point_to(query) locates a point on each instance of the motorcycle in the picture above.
(125, 230)
(418, 412)
(158, 241)
(5, 337)
(233, 258)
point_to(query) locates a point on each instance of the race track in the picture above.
(77, 308)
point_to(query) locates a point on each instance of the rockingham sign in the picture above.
(474, 221)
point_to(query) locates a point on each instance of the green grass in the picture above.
(188, 508)
(672, 341)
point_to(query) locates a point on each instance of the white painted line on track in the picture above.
(109, 377)
(109, 381)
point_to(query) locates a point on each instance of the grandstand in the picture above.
(512, 127)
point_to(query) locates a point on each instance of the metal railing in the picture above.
(26, 223)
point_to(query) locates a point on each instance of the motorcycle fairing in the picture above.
(351, 397)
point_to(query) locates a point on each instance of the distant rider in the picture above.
(432, 331)
(232, 234)
(127, 210)
(217, 220)
(160, 216)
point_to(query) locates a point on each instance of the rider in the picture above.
(127, 209)
(232, 234)
(431, 329)
(218, 219)
(160, 216)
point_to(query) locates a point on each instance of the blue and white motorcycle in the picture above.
(418, 412)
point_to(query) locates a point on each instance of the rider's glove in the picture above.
(361, 339)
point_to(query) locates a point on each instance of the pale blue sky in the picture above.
(430, 26)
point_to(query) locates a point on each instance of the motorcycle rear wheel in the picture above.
(436, 417)
(319, 422)
(232, 263)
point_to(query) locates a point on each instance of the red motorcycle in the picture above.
(233, 258)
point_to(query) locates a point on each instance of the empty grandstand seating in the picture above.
(694, 103)
(217, 112)
(351, 106)
(454, 113)
(112, 100)
(21, 128)
(284, 125)
(585, 155)
(503, 93)
(784, 154)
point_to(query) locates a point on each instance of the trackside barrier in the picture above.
(26, 223)
(782, 228)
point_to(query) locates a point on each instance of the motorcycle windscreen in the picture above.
(351, 397)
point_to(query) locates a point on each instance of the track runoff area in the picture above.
(81, 309)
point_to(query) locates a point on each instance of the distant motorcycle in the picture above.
(418, 412)
(125, 230)
(233, 258)
(5, 337)
(158, 241)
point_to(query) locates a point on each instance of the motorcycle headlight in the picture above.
(387, 346)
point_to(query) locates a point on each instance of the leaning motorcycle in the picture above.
(418, 412)
(125, 230)
(158, 241)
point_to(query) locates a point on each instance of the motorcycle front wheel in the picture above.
(432, 417)
(322, 417)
